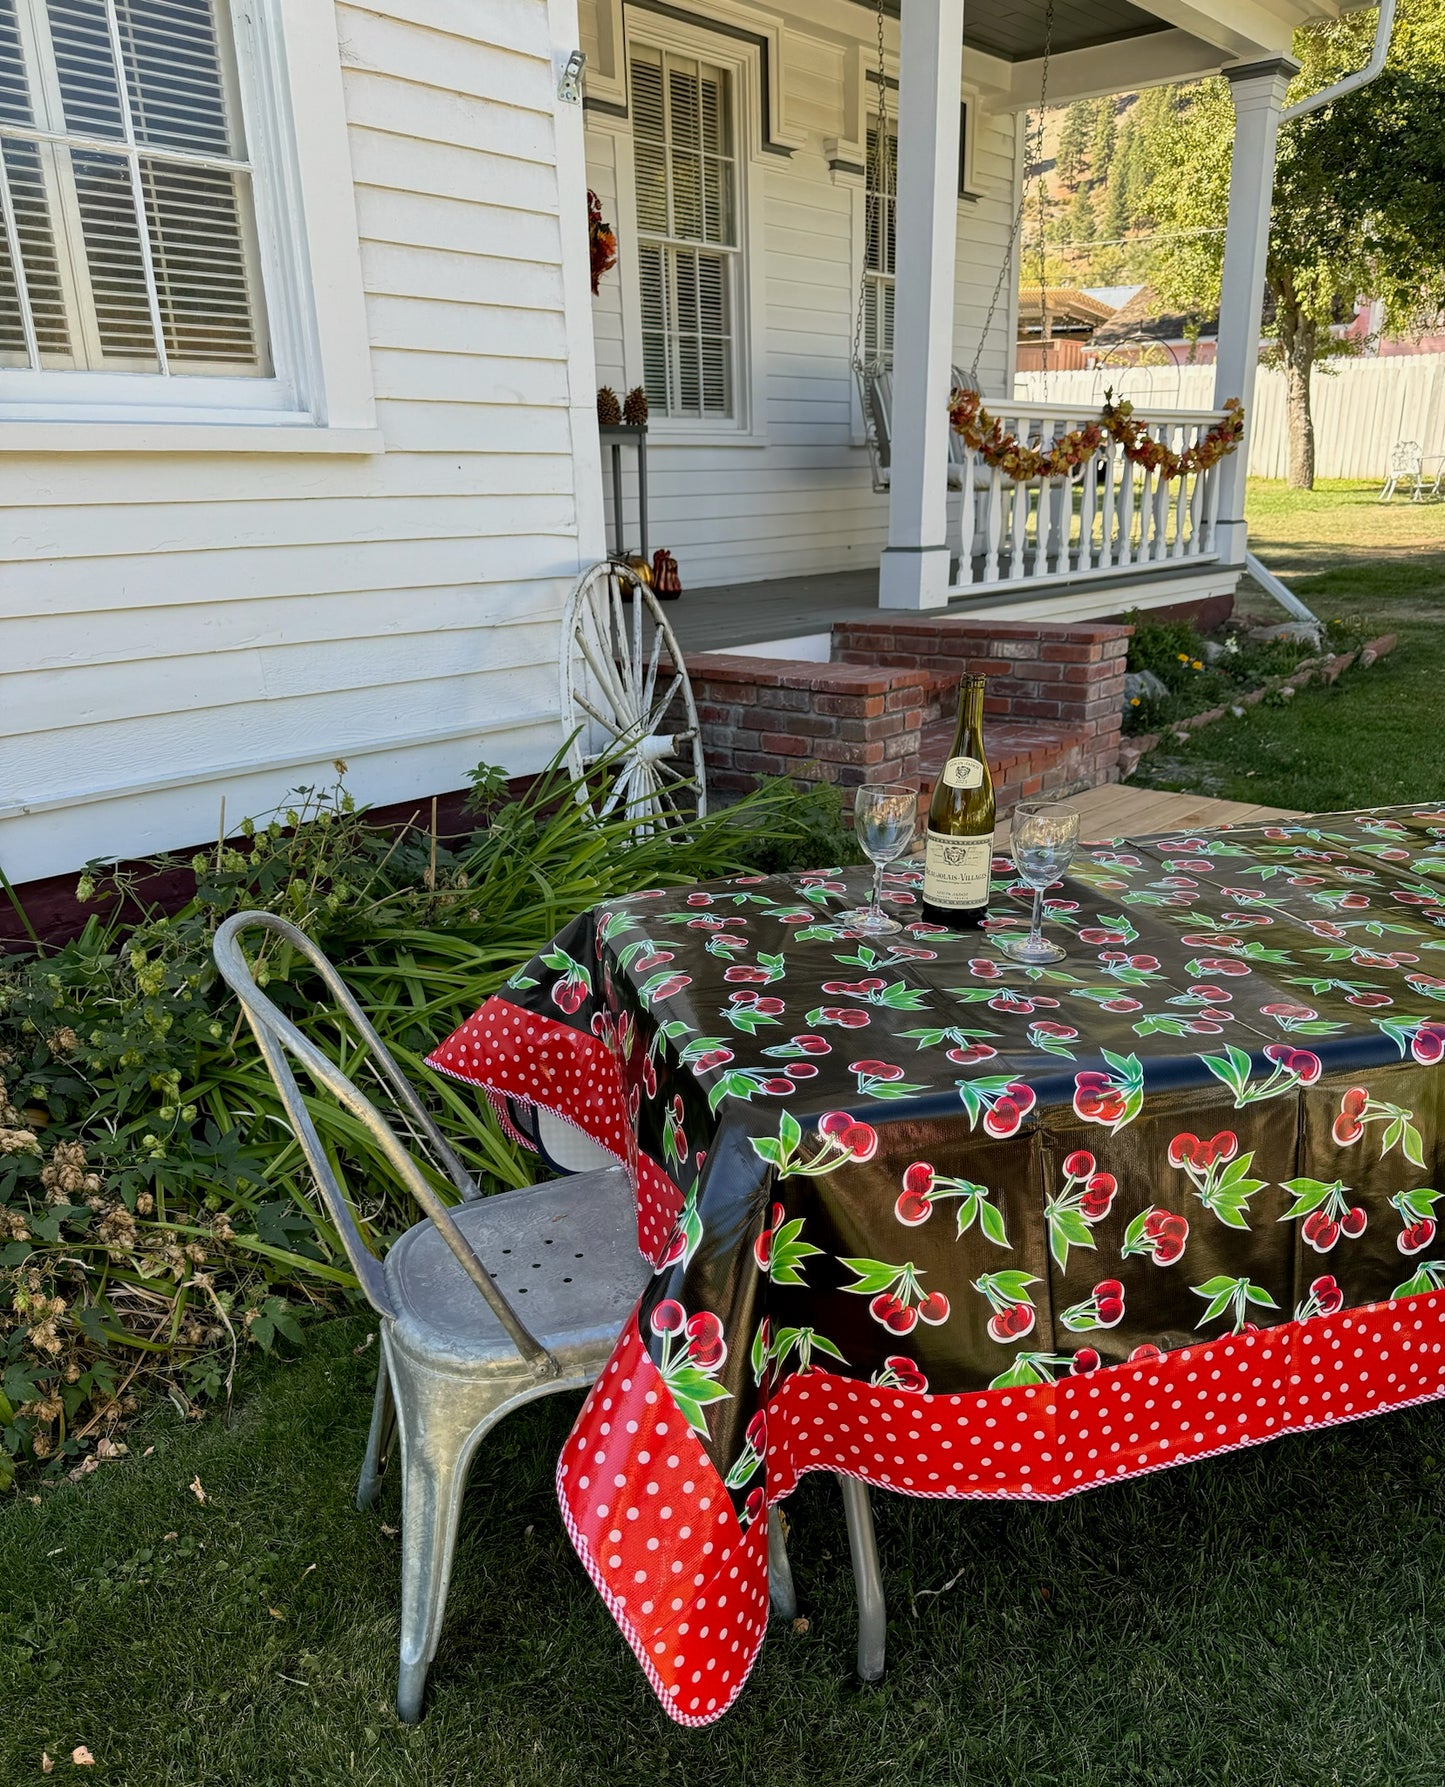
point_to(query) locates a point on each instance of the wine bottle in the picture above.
(959, 850)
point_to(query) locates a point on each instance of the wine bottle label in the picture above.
(956, 870)
(963, 772)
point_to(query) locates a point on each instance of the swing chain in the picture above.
(1033, 162)
(875, 197)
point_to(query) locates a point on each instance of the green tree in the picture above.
(1083, 226)
(1101, 153)
(1357, 205)
(1118, 201)
(1075, 135)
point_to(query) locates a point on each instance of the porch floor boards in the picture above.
(727, 615)
(1117, 811)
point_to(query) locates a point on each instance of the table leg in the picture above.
(872, 1609)
(781, 1592)
(617, 529)
(642, 492)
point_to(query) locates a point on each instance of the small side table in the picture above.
(617, 437)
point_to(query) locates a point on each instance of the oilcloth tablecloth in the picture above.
(962, 1228)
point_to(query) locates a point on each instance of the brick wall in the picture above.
(843, 723)
(882, 708)
(1067, 679)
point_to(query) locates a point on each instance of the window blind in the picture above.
(129, 238)
(685, 174)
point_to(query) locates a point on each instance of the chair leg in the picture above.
(780, 1572)
(441, 1421)
(380, 1440)
(872, 1610)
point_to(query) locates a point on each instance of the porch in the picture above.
(814, 264)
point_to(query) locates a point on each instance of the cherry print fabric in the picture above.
(963, 1228)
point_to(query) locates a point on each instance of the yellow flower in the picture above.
(1183, 657)
(1133, 701)
(1197, 665)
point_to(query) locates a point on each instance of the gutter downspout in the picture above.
(1349, 83)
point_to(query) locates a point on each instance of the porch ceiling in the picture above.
(1015, 31)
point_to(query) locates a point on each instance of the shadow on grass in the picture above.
(1268, 1618)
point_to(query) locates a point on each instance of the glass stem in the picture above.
(877, 908)
(1036, 931)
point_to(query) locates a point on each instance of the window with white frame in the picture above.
(688, 248)
(129, 240)
(880, 211)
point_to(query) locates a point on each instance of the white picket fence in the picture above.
(1361, 407)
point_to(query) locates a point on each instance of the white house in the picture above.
(298, 358)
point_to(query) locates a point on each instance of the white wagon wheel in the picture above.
(627, 703)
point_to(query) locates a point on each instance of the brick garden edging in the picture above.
(1324, 670)
(883, 708)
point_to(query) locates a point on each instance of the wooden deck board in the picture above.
(1116, 811)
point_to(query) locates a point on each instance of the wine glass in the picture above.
(1045, 835)
(884, 816)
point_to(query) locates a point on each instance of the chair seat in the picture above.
(563, 1254)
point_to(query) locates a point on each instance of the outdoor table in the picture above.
(962, 1228)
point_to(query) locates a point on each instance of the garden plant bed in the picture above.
(1324, 669)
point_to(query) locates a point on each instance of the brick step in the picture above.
(1025, 758)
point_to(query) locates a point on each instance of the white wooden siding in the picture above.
(175, 628)
(802, 499)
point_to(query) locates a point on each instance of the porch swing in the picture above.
(874, 374)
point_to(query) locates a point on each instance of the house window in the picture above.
(683, 137)
(880, 210)
(129, 240)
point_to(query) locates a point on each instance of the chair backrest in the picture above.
(278, 1038)
(875, 393)
(1406, 459)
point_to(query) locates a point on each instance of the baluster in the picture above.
(1158, 501)
(993, 525)
(1196, 510)
(1211, 509)
(1018, 531)
(1088, 495)
(967, 517)
(1107, 520)
(1181, 499)
(1130, 474)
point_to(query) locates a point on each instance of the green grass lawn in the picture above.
(1378, 735)
(1270, 1619)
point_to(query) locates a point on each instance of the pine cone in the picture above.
(634, 410)
(609, 410)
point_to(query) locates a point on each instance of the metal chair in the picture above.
(456, 1356)
(452, 1367)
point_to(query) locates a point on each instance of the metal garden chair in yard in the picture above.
(456, 1356)
(1409, 465)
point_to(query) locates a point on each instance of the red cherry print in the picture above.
(1004, 1119)
(902, 1320)
(906, 1372)
(777, 1087)
(876, 1070)
(1419, 1235)
(912, 1208)
(1109, 1287)
(1184, 1147)
(861, 1140)
(1328, 1295)
(883, 1305)
(1091, 1080)
(1021, 1320)
(872, 985)
(933, 1309)
(801, 1070)
(977, 1051)
(1022, 1095)
(813, 1045)
(755, 1505)
(768, 1008)
(1223, 1146)
(1147, 1351)
(1079, 1164)
(1354, 901)
(834, 1123)
(919, 1177)
(1346, 1130)
(1352, 1223)
(1110, 1311)
(1309, 1066)
(1085, 1359)
(1428, 1044)
(705, 1344)
(1167, 1249)
(668, 1317)
(1120, 1002)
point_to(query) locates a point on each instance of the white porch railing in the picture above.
(1109, 517)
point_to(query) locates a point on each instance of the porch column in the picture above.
(914, 571)
(1258, 90)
